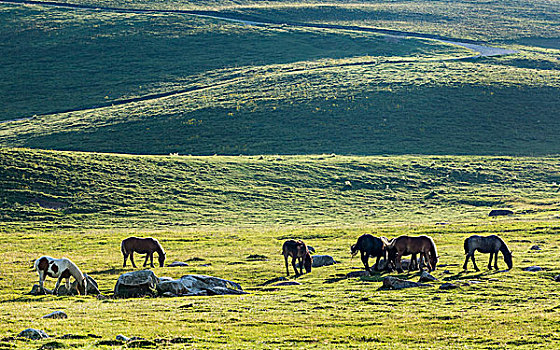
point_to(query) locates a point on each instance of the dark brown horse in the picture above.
(297, 250)
(369, 245)
(490, 244)
(405, 245)
(142, 246)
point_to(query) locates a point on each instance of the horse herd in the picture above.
(392, 251)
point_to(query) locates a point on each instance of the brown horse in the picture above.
(405, 245)
(297, 250)
(142, 246)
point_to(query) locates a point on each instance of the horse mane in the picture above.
(433, 249)
(389, 243)
(159, 247)
(503, 247)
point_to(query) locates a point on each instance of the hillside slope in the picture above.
(46, 189)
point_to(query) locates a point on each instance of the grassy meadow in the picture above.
(222, 140)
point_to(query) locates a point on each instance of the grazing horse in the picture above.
(490, 244)
(60, 268)
(405, 245)
(297, 250)
(369, 245)
(142, 246)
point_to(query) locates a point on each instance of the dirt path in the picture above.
(479, 49)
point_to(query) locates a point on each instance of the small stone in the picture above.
(426, 277)
(355, 274)
(286, 283)
(535, 247)
(557, 278)
(32, 333)
(447, 272)
(533, 269)
(178, 264)
(500, 212)
(448, 285)
(56, 315)
(122, 338)
(36, 290)
(397, 283)
(274, 280)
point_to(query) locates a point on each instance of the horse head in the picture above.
(353, 250)
(81, 286)
(161, 259)
(508, 260)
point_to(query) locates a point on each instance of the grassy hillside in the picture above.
(234, 89)
(55, 190)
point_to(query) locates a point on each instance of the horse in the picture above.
(60, 268)
(405, 245)
(369, 245)
(297, 250)
(490, 244)
(142, 246)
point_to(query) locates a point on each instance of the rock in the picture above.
(426, 277)
(557, 278)
(122, 338)
(287, 283)
(36, 290)
(448, 285)
(355, 274)
(323, 260)
(500, 212)
(177, 264)
(397, 283)
(136, 284)
(535, 247)
(533, 268)
(199, 285)
(92, 287)
(56, 314)
(32, 333)
(274, 280)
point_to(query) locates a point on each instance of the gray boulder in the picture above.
(36, 290)
(397, 283)
(136, 284)
(323, 260)
(426, 277)
(500, 212)
(448, 285)
(177, 264)
(56, 315)
(200, 285)
(32, 333)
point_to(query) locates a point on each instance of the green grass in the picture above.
(514, 309)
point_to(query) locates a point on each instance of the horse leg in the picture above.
(132, 259)
(365, 260)
(376, 266)
(474, 263)
(55, 290)
(125, 257)
(490, 261)
(146, 259)
(466, 261)
(300, 266)
(151, 259)
(496, 260)
(413, 263)
(286, 261)
(41, 282)
(294, 265)
(398, 262)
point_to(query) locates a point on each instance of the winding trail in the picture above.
(480, 49)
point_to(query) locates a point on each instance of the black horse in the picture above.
(491, 244)
(369, 245)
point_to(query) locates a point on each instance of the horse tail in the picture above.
(466, 245)
(123, 247)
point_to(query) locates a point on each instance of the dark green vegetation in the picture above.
(299, 91)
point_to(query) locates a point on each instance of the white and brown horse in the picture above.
(60, 269)
(142, 246)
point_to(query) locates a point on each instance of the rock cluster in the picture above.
(146, 283)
